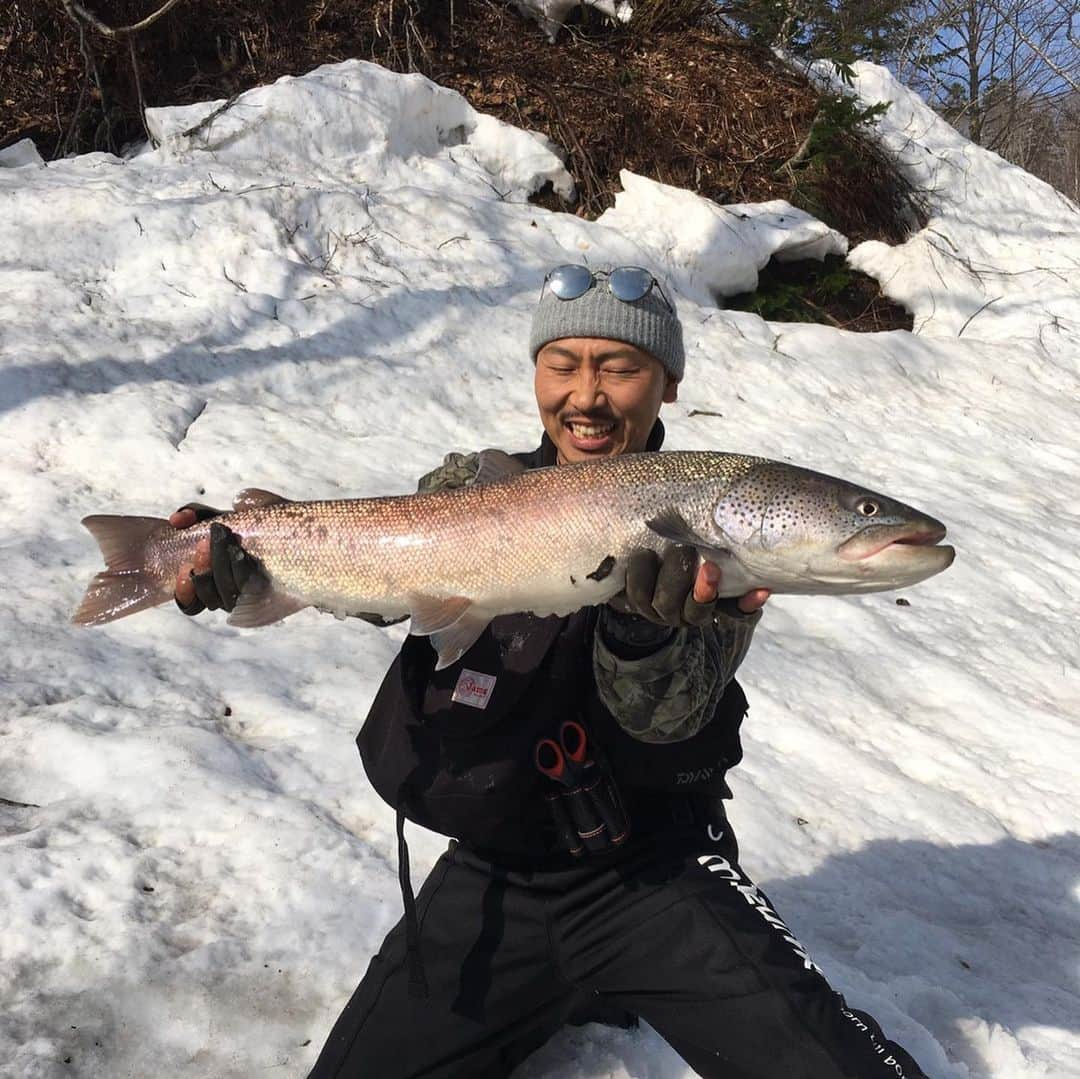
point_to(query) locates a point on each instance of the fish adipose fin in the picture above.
(251, 498)
(260, 604)
(127, 586)
(496, 465)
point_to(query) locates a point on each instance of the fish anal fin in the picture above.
(260, 604)
(251, 498)
(433, 613)
(497, 465)
(454, 641)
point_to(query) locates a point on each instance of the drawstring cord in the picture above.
(418, 986)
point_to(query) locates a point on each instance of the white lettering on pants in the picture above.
(715, 864)
(890, 1061)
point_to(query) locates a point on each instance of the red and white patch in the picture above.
(473, 688)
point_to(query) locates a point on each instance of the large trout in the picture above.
(549, 541)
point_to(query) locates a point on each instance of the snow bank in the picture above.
(712, 250)
(322, 292)
(341, 114)
(1002, 246)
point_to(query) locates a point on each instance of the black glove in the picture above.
(662, 590)
(230, 567)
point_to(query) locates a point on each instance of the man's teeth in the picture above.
(589, 430)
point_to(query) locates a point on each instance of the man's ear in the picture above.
(671, 391)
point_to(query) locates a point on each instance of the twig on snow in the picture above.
(978, 312)
(239, 284)
(209, 118)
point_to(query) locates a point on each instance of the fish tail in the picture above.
(128, 585)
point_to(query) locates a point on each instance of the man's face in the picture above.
(599, 398)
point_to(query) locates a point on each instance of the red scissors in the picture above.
(566, 760)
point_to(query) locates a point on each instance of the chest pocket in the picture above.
(459, 769)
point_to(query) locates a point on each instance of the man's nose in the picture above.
(587, 390)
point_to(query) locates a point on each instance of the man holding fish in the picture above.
(577, 752)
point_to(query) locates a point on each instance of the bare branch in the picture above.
(79, 13)
(1014, 22)
(138, 87)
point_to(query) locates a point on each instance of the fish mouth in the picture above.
(897, 540)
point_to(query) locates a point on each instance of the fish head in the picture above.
(805, 531)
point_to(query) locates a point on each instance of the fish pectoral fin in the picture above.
(454, 641)
(671, 525)
(432, 613)
(260, 604)
(251, 498)
(497, 465)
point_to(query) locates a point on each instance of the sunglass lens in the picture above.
(570, 281)
(630, 283)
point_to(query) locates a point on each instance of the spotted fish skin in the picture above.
(549, 540)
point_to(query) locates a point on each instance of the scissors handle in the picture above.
(550, 759)
(574, 743)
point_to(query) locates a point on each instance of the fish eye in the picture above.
(867, 507)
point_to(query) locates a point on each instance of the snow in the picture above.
(551, 14)
(322, 292)
(1001, 243)
(20, 154)
(711, 251)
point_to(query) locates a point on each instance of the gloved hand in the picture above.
(674, 591)
(221, 567)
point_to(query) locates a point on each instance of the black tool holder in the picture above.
(583, 797)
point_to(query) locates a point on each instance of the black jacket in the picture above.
(469, 772)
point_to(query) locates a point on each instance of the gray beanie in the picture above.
(646, 323)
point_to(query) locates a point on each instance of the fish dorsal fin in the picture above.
(253, 498)
(431, 613)
(454, 641)
(260, 604)
(496, 465)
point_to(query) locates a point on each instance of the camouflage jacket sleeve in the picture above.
(671, 694)
(457, 470)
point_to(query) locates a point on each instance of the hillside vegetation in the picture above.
(674, 98)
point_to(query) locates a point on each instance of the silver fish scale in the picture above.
(537, 541)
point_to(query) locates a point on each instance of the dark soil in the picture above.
(691, 106)
(828, 291)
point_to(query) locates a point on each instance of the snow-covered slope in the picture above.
(324, 289)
